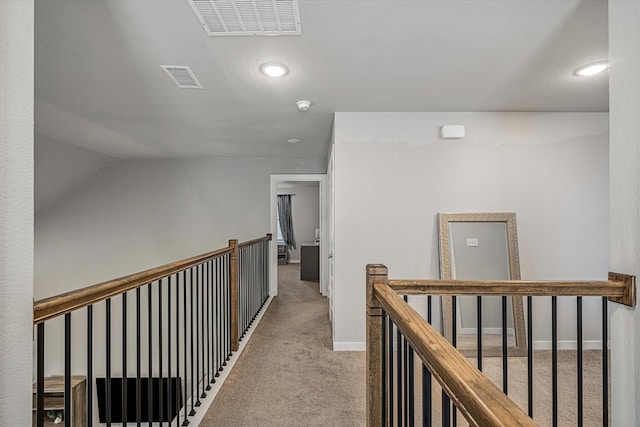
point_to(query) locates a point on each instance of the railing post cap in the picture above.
(377, 269)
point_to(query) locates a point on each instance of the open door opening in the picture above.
(310, 228)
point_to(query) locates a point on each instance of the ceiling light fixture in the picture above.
(592, 69)
(273, 69)
(294, 141)
(303, 105)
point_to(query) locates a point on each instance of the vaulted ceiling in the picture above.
(99, 84)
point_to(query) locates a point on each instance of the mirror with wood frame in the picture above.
(481, 246)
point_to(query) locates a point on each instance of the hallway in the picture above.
(288, 374)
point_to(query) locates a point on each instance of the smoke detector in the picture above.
(303, 105)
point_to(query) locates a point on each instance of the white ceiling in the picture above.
(99, 84)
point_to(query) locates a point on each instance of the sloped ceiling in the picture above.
(99, 84)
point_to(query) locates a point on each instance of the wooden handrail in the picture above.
(58, 305)
(467, 387)
(266, 238)
(619, 288)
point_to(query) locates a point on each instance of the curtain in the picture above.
(286, 221)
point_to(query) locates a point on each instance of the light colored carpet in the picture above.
(288, 374)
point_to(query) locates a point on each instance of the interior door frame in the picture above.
(324, 227)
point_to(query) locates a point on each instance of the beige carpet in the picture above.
(288, 374)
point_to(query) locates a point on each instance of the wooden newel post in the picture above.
(376, 273)
(233, 295)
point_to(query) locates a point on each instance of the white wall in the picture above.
(16, 209)
(61, 168)
(144, 213)
(393, 175)
(305, 207)
(624, 84)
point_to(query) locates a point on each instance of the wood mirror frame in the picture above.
(509, 219)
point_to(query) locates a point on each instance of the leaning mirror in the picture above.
(481, 246)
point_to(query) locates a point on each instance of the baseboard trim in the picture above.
(569, 345)
(537, 345)
(294, 261)
(349, 346)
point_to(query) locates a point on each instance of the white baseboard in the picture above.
(569, 345)
(294, 261)
(537, 345)
(349, 346)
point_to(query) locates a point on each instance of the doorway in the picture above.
(276, 181)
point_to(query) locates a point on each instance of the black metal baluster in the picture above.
(605, 362)
(391, 376)
(40, 376)
(170, 385)
(505, 358)
(410, 392)
(579, 355)
(214, 320)
(385, 348)
(198, 315)
(240, 293)
(554, 359)
(108, 361)
(184, 342)
(530, 355)
(203, 334)
(406, 373)
(124, 359)
(454, 335)
(446, 410)
(160, 367)
(228, 315)
(67, 370)
(193, 411)
(138, 361)
(178, 378)
(150, 355)
(479, 328)
(89, 384)
(426, 382)
(219, 318)
(399, 375)
(426, 397)
(208, 333)
(178, 381)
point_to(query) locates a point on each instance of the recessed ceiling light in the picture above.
(273, 69)
(592, 69)
(294, 141)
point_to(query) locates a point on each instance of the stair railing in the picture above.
(394, 328)
(174, 326)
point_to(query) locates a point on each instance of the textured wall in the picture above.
(16, 209)
(624, 84)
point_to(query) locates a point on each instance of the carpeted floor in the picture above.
(288, 374)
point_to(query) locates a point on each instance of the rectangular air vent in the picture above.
(248, 17)
(182, 76)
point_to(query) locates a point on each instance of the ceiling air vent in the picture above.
(182, 76)
(248, 17)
